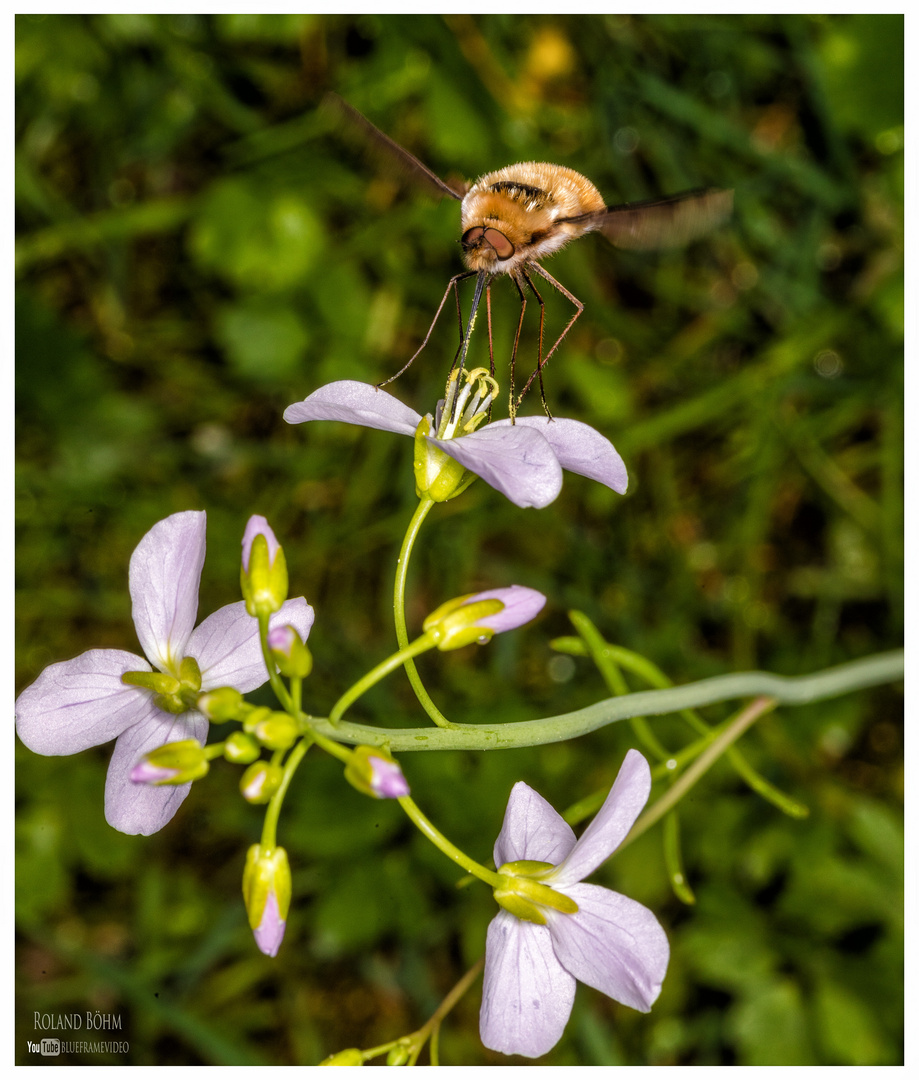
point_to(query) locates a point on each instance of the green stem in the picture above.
(280, 690)
(603, 653)
(414, 527)
(270, 826)
(801, 690)
(437, 1017)
(673, 859)
(403, 656)
(450, 850)
(743, 720)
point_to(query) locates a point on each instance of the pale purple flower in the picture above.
(83, 702)
(611, 943)
(523, 461)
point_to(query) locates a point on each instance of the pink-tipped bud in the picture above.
(146, 773)
(263, 575)
(270, 931)
(174, 763)
(372, 771)
(260, 781)
(479, 616)
(290, 653)
(266, 892)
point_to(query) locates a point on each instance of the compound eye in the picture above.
(504, 249)
(472, 236)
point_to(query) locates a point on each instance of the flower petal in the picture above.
(257, 525)
(517, 461)
(532, 829)
(527, 995)
(608, 829)
(139, 808)
(355, 403)
(226, 645)
(613, 944)
(520, 606)
(81, 702)
(579, 449)
(270, 931)
(164, 576)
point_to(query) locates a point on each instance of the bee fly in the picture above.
(517, 216)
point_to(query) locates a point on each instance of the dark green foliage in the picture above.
(198, 249)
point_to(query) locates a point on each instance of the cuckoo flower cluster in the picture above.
(158, 705)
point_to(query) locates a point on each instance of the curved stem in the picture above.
(403, 656)
(744, 719)
(608, 657)
(800, 690)
(280, 690)
(450, 850)
(414, 527)
(270, 825)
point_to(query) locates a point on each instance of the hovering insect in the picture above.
(514, 217)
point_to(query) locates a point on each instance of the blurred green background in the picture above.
(197, 250)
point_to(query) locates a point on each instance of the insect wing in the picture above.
(662, 223)
(389, 151)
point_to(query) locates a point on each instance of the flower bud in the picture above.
(372, 771)
(479, 616)
(290, 653)
(266, 892)
(241, 748)
(263, 576)
(399, 1055)
(277, 731)
(225, 703)
(344, 1057)
(260, 781)
(174, 763)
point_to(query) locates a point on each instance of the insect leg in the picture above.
(491, 344)
(568, 296)
(451, 285)
(539, 360)
(512, 402)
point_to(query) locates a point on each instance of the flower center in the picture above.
(466, 407)
(172, 694)
(524, 896)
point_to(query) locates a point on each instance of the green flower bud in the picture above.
(263, 575)
(372, 771)
(266, 892)
(399, 1055)
(344, 1057)
(255, 716)
(290, 653)
(174, 763)
(225, 703)
(277, 731)
(458, 622)
(241, 748)
(260, 781)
